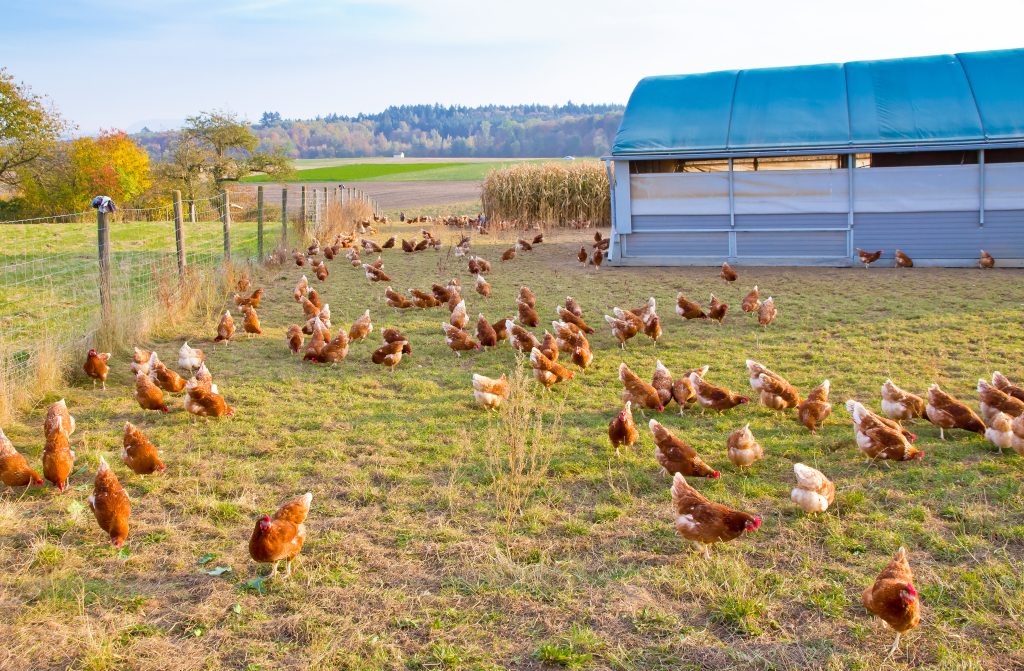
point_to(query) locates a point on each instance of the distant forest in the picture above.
(434, 130)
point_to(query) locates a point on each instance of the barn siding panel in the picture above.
(926, 235)
(1003, 234)
(675, 244)
(752, 245)
(654, 223)
(822, 220)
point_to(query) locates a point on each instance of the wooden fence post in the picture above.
(179, 235)
(284, 216)
(302, 206)
(225, 218)
(259, 222)
(103, 245)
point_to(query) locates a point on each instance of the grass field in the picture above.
(411, 171)
(411, 562)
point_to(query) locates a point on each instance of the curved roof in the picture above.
(953, 99)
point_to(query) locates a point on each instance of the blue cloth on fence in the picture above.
(104, 204)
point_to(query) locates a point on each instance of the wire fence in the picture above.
(52, 277)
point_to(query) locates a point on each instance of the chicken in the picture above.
(317, 342)
(596, 258)
(520, 339)
(638, 391)
(407, 246)
(539, 238)
(703, 522)
(814, 493)
(301, 288)
(508, 254)
(58, 457)
(110, 505)
(485, 333)
(572, 318)
(727, 273)
(14, 468)
(946, 412)
(390, 354)
(96, 367)
(994, 401)
(523, 245)
(389, 243)
(500, 327)
(683, 391)
(1000, 430)
(397, 300)
(483, 287)
(582, 256)
(715, 398)
(752, 301)
(484, 264)
(251, 323)
(458, 340)
(878, 439)
(1002, 383)
(815, 409)
(490, 392)
(548, 372)
(244, 284)
(549, 346)
(202, 399)
(902, 260)
(985, 260)
(149, 396)
(335, 349)
(370, 246)
(454, 301)
(717, 309)
(527, 314)
(138, 453)
(280, 538)
(573, 306)
(423, 300)
(190, 358)
(392, 334)
(570, 338)
(893, 597)
(527, 296)
(226, 328)
(622, 430)
(688, 309)
(309, 310)
(767, 312)
(321, 272)
(459, 318)
(361, 328)
(1017, 427)
(140, 360)
(314, 248)
(442, 293)
(300, 258)
(57, 413)
(421, 245)
(253, 300)
(899, 404)
(294, 337)
(867, 258)
(624, 325)
(662, 383)
(743, 448)
(775, 391)
(375, 274)
(164, 377)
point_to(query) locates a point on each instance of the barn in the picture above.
(802, 165)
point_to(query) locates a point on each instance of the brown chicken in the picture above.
(423, 300)
(946, 412)
(815, 409)
(96, 367)
(442, 293)
(483, 287)
(902, 260)
(715, 398)
(300, 258)
(570, 338)
(58, 457)
(622, 429)
(163, 377)
(149, 396)
(596, 258)
(867, 258)
(321, 272)
(253, 300)
(520, 339)
(280, 538)
(301, 289)
(767, 313)
(140, 360)
(683, 391)
(548, 372)
(421, 245)
(527, 315)
(251, 323)
(899, 404)
(624, 325)
(335, 349)
(752, 301)
(361, 328)
(57, 414)
(110, 504)
(389, 354)
(138, 453)
(490, 392)
(877, 438)
(814, 493)
(704, 522)
(485, 333)
(397, 300)
(14, 468)
(570, 317)
(508, 254)
(244, 283)
(727, 273)
(662, 383)
(459, 318)
(985, 260)
(743, 448)
(638, 391)
(203, 400)
(523, 245)
(676, 456)
(317, 342)
(582, 256)
(370, 246)
(573, 306)
(1003, 384)
(717, 309)
(458, 341)
(688, 309)
(775, 391)
(375, 274)
(500, 327)
(549, 346)
(392, 334)
(994, 401)
(294, 337)
(226, 328)
(893, 598)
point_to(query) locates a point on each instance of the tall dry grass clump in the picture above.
(336, 218)
(24, 376)
(554, 194)
(519, 445)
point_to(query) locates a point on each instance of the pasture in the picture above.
(406, 170)
(425, 552)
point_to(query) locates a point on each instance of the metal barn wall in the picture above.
(936, 214)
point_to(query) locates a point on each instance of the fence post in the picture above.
(302, 206)
(103, 243)
(225, 218)
(179, 235)
(259, 222)
(284, 216)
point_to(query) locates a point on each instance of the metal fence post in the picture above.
(284, 216)
(259, 222)
(103, 245)
(179, 235)
(225, 218)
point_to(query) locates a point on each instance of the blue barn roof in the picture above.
(969, 99)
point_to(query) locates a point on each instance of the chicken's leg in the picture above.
(707, 550)
(103, 385)
(942, 433)
(273, 571)
(288, 569)
(895, 646)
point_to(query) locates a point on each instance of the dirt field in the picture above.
(398, 195)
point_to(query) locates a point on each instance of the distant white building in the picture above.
(400, 154)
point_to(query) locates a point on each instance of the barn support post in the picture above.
(611, 189)
(179, 235)
(732, 213)
(259, 222)
(981, 188)
(623, 220)
(851, 162)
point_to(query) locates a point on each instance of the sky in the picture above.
(128, 63)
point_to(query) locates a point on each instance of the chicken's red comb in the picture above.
(715, 475)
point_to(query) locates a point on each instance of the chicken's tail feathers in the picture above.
(983, 386)
(998, 379)
(680, 488)
(103, 465)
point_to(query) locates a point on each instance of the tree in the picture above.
(185, 169)
(233, 147)
(269, 119)
(28, 127)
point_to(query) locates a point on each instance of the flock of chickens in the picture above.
(280, 537)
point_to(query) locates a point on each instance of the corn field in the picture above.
(553, 194)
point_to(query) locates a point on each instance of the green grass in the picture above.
(454, 171)
(409, 562)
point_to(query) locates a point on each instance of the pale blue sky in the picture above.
(123, 63)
